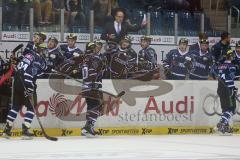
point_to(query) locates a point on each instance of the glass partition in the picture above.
(16, 15)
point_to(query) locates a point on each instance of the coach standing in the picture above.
(119, 28)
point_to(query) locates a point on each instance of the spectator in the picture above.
(42, 11)
(117, 30)
(103, 10)
(75, 12)
(178, 5)
(195, 5)
(196, 46)
(17, 11)
(220, 48)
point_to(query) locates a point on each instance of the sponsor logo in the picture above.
(103, 131)
(182, 106)
(172, 131)
(146, 131)
(211, 106)
(125, 131)
(37, 133)
(66, 132)
(190, 130)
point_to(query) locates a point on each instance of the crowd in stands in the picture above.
(16, 12)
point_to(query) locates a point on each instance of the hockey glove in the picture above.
(235, 91)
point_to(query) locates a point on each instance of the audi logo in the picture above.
(211, 105)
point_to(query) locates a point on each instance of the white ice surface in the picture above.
(187, 147)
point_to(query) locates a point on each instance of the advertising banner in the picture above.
(154, 103)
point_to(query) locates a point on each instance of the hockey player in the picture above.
(53, 55)
(70, 50)
(220, 48)
(201, 61)
(147, 54)
(92, 73)
(125, 47)
(124, 60)
(236, 59)
(196, 46)
(38, 39)
(226, 91)
(30, 67)
(176, 63)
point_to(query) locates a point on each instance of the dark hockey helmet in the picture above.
(146, 38)
(183, 40)
(204, 41)
(72, 36)
(90, 46)
(53, 39)
(238, 44)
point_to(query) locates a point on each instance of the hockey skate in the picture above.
(224, 129)
(88, 131)
(7, 131)
(26, 135)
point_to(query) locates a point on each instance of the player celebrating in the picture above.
(226, 91)
(92, 73)
(30, 67)
(70, 50)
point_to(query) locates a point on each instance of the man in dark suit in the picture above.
(119, 28)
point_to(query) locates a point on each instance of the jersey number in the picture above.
(22, 66)
(85, 72)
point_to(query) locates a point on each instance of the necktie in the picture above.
(118, 28)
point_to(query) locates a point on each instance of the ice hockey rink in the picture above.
(181, 147)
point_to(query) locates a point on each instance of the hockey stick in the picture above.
(17, 48)
(81, 82)
(38, 119)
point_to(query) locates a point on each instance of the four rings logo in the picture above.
(211, 105)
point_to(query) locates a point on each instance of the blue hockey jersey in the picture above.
(31, 67)
(69, 52)
(175, 63)
(201, 65)
(226, 72)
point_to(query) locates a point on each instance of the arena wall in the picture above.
(155, 107)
